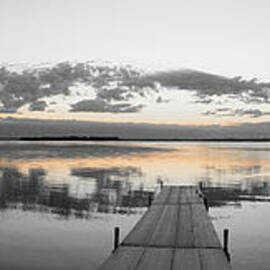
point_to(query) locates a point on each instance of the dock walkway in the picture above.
(175, 233)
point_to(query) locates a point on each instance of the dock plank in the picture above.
(174, 195)
(204, 231)
(200, 259)
(187, 259)
(143, 230)
(125, 258)
(189, 195)
(164, 234)
(175, 233)
(185, 233)
(156, 259)
(162, 197)
(213, 259)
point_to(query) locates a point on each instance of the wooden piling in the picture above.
(206, 203)
(149, 200)
(116, 238)
(225, 243)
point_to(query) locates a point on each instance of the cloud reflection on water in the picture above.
(119, 178)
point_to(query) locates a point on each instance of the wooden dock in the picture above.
(175, 233)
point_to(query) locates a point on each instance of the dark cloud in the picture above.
(38, 106)
(115, 94)
(252, 99)
(162, 100)
(205, 100)
(99, 105)
(120, 84)
(18, 89)
(223, 109)
(209, 113)
(8, 110)
(27, 87)
(225, 112)
(208, 85)
(254, 113)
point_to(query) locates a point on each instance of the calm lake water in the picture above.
(59, 201)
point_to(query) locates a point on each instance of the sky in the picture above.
(225, 37)
(229, 38)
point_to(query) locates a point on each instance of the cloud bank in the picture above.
(208, 85)
(118, 89)
(31, 86)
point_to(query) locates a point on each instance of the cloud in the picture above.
(8, 110)
(225, 112)
(207, 85)
(205, 100)
(162, 100)
(30, 85)
(99, 105)
(114, 84)
(38, 106)
(207, 113)
(254, 113)
(223, 109)
(115, 94)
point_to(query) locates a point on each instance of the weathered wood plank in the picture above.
(164, 234)
(200, 259)
(125, 258)
(174, 195)
(213, 259)
(189, 195)
(143, 230)
(156, 259)
(162, 197)
(186, 259)
(204, 231)
(185, 234)
(178, 195)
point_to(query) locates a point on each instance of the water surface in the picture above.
(59, 201)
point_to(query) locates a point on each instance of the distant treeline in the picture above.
(69, 138)
(116, 138)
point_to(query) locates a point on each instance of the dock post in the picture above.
(161, 184)
(201, 185)
(206, 203)
(225, 243)
(149, 200)
(116, 238)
